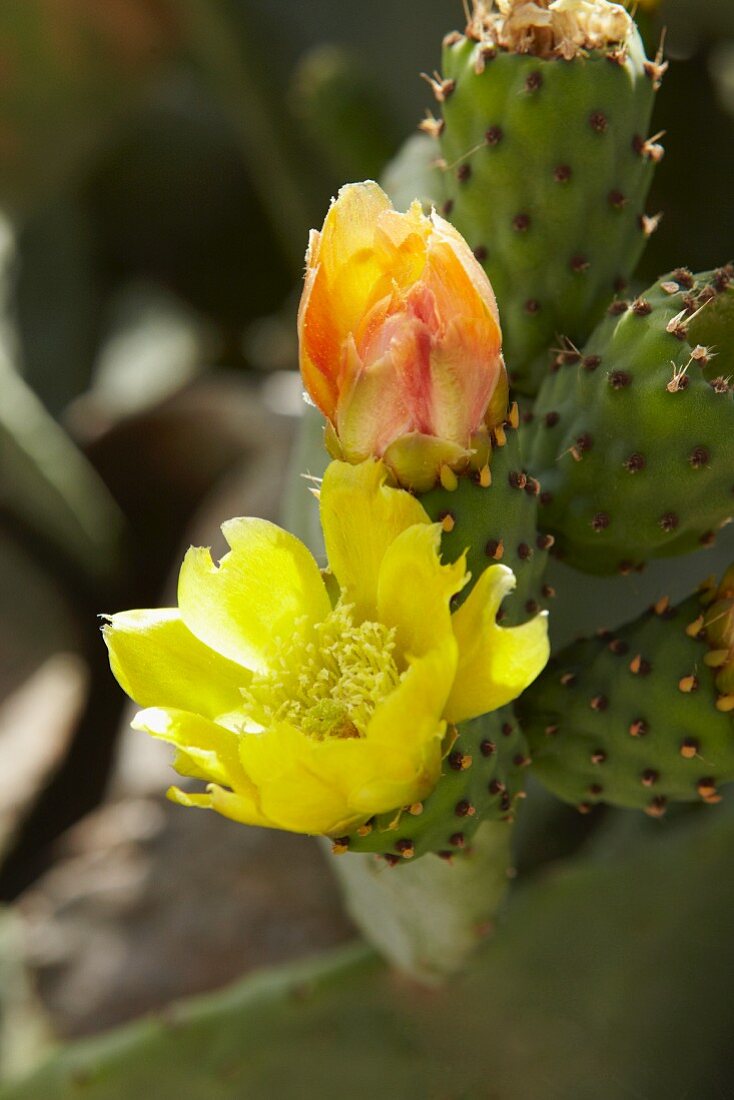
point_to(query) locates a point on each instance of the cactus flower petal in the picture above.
(160, 663)
(268, 572)
(357, 537)
(495, 663)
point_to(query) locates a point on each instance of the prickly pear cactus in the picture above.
(641, 716)
(548, 157)
(631, 434)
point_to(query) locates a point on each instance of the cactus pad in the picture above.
(637, 718)
(631, 437)
(548, 162)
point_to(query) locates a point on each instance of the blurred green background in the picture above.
(161, 163)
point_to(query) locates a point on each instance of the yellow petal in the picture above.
(377, 778)
(445, 234)
(159, 662)
(495, 664)
(361, 516)
(292, 792)
(234, 805)
(347, 251)
(257, 594)
(411, 717)
(414, 590)
(211, 747)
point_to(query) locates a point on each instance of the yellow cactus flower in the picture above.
(400, 342)
(311, 702)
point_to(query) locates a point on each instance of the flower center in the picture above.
(329, 686)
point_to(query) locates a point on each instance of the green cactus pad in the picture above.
(548, 165)
(632, 718)
(631, 437)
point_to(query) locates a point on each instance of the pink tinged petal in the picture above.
(371, 412)
(268, 587)
(465, 370)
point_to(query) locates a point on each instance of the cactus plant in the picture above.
(291, 689)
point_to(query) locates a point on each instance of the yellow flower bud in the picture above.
(400, 342)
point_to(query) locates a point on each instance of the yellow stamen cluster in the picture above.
(330, 686)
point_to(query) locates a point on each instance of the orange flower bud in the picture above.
(400, 341)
